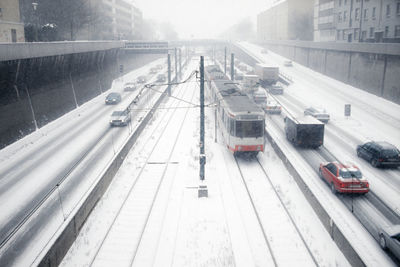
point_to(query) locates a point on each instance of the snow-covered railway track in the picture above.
(130, 221)
(278, 227)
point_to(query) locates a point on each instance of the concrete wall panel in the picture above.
(391, 88)
(337, 65)
(317, 60)
(301, 55)
(367, 72)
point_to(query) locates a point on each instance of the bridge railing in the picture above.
(15, 51)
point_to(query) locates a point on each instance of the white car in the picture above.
(120, 118)
(288, 63)
(142, 79)
(318, 113)
(130, 86)
(273, 107)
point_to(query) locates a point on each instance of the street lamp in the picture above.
(34, 5)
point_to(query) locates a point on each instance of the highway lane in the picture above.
(31, 177)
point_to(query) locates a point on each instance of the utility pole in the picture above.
(176, 65)
(169, 74)
(232, 66)
(202, 191)
(225, 61)
(180, 63)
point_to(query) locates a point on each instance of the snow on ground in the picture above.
(183, 230)
(58, 144)
(372, 118)
(361, 240)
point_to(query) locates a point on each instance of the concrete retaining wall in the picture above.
(371, 67)
(49, 83)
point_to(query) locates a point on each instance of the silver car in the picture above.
(389, 238)
(273, 107)
(318, 113)
(120, 118)
(130, 86)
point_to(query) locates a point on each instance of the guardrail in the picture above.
(373, 48)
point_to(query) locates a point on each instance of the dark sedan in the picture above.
(389, 238)
(113, 98)
(379, 154)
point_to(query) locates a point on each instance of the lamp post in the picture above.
(34, 5)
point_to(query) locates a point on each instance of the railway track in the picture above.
(131, 219)
(291, 239)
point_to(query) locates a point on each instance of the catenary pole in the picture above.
(169, 74)
(232, 66)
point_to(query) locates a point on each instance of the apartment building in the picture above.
(125, 18)
(324, 21)
(11, 28)
(286, 20)
(360, 20)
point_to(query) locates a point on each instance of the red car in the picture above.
(343, 178)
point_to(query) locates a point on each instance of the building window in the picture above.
(340, 17)
(387, 10)
(356, 34)
(338, 35)
(345, 2)
(357, 14)
(373, 12)
(344, 15)
(364, 35)
(398, 8)
(343, 35)
(371, 32)
(386, 31)
(365, 14)
(397, 31)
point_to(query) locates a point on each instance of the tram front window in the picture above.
(249, 128)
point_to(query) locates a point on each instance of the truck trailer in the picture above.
(268, 74)
(304, 131)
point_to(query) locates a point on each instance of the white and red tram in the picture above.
(240, 120)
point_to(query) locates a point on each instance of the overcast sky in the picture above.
(201, 18)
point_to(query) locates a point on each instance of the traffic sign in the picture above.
(347, 110)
